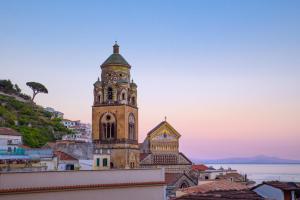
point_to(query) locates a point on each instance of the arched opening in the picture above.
(110, 94)
(98, 98)
(123, 96)
(184, 185)
(132, 165)
(133, 100)
(131, 127)
(108, 126)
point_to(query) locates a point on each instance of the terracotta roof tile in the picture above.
(200, 167)
(64, 156)
(221, 185)
(223, 195)
(9, 131)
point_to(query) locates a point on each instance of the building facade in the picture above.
(160, 149)
(9, 139)
(115, 112)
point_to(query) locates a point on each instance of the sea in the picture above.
(265, 172)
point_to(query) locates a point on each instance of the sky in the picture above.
(225, 73)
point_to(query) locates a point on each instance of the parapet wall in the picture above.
(65, 178)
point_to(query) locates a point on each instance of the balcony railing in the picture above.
(17, 151)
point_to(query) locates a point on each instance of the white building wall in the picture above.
(86, 164)
(16, 140)
(269, 192)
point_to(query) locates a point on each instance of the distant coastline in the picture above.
(261, 159)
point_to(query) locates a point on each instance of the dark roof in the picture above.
(286, 186)
(115, 59)
(143, 156)
(223, 195)
(171, 178)
(186, 158)
(9, 131)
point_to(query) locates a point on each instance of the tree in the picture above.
(17, 88)
(36, 88)
(6, 86)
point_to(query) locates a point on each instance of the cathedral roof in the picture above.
(115, 59)
(163, 123)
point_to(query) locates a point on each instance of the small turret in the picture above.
(116, 47)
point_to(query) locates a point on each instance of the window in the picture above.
(108, 126)
(98, 162)
(69, 167)
(110, 94)
(133, 100)
(104, 162)
(99, 98)
(131, 127)
(165, 159)
(123, 96)
(132, 164)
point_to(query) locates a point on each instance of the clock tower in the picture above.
(115, 112)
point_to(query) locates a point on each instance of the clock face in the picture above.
(111, 77)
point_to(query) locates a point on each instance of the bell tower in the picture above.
(115, 112)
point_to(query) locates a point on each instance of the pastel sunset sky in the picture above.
(225, 73)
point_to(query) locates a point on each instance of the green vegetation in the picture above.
(32, 121)
(7, 87)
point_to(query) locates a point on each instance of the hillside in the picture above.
(30, 120)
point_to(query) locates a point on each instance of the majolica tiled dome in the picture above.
(115, 59)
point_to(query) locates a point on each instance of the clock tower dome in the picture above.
(115, 112)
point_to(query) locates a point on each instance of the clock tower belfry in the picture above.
(115, 112)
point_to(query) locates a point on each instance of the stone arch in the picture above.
(110, 93)
(99, 97)
(184, 184)
(131, 127)
(123, 96)
(108, 126)
(133, 100)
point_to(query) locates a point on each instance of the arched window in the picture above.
(108, 126)
(123, 96)
(131, 127)
(110, 94)
(133, 100)
(98, 98)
